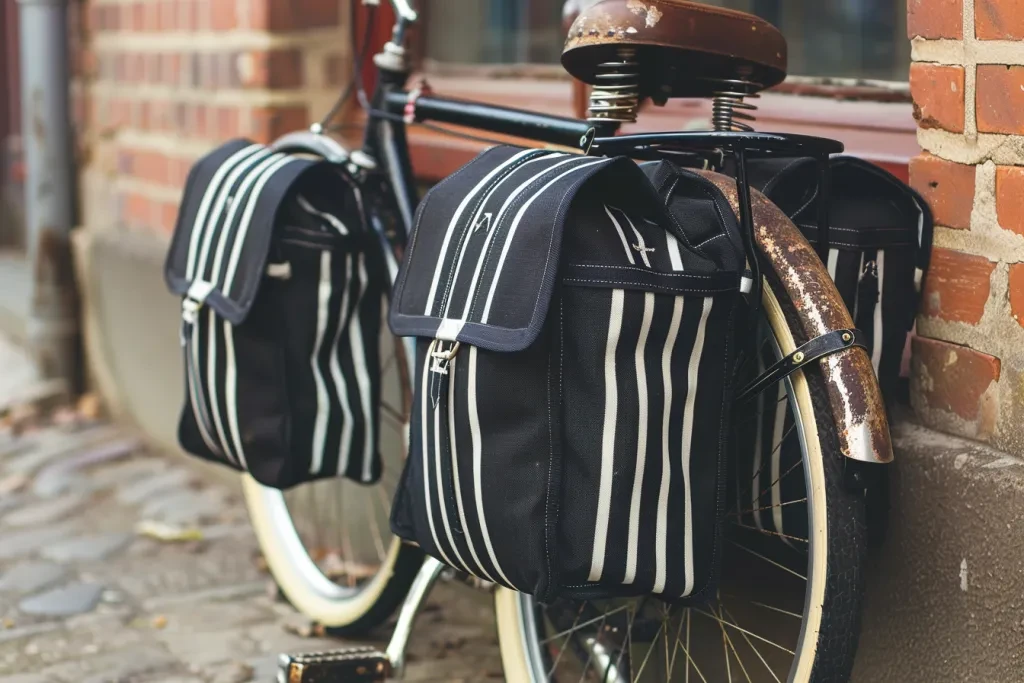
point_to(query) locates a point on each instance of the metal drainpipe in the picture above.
(49, 187)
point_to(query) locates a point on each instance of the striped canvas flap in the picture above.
(487, 245)
(219, 251)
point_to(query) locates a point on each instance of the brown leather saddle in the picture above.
(681, 49)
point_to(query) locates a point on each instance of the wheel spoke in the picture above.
(745, 632)
(750, 644)
(771, 533)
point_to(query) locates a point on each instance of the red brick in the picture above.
(1000, 99)
(953, 378)
(228, 123)
(1017, 292)
(948, 188)
(223, 15)
(958, 286)
(167, 216)
(168, 15)
(138, 16)
(999, 19)
(274, 69)
(1010, 198)
(151, 16)
(269, 123)
(935, 19)
(336, 71)
(275, 16)
(938, 93)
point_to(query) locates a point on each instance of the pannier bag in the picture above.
(880, 245)
(282, 291)
(572, 383)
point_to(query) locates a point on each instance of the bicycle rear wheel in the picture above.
(328, 544)
(788, 607)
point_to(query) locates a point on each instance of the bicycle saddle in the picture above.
(682, 49)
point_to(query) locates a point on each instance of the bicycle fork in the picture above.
(359, 664)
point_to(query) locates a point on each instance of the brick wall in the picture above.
(160, 82)
(967, 80)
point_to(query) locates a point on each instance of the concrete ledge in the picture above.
(130, 325)
(945, 597)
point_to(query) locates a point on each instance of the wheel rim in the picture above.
(556, 643)
(328, 543)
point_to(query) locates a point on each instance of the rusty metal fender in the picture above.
(853, 392)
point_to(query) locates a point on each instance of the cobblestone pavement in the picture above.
(85, 598)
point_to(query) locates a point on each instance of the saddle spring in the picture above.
(730, 110)
(616, 98)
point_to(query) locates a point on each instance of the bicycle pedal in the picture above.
(355, 665)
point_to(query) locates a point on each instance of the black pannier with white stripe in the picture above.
(881, 242)
(573, 376)
(282, 287)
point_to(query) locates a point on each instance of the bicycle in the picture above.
(792, 580)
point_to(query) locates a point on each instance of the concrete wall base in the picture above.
(130, 327)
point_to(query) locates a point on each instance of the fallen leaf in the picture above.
(8, 623)
(167, 533)
(12, 483)
(159, 622)
(90, 406)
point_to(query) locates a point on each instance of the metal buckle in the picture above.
(442, 357)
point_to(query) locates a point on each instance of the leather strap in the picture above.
(817, 348)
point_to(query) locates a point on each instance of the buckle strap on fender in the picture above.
(817, 348)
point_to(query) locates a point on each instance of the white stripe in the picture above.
(474, 430)
(340, 385)
(856, 295)
(424, 402)
(641, 443)
(231, 391)
(622, 235)
(661, 530)
(755, 487)
(691, 404)
(673, 252)
(495, 221)
(441, 497)
(323, 400)
(251, 170)
(194, 381)
(833, 261)
(449, 329)
(208, 197)
(333, 220)
(359, 362)
(515, 226)
(211, 385)
(639, 239)
(243, 227)
(780, 424)
(611, 411)
(496, 225)
(452, 440)
(455, 221)
(876, 349)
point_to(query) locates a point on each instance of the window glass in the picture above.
(836, 38)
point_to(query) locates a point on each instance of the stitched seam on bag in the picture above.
(770, 184)
(686, 239)
(624, 283)
(711, 239)
(547, 496)
(449, 288)
(658, 273)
